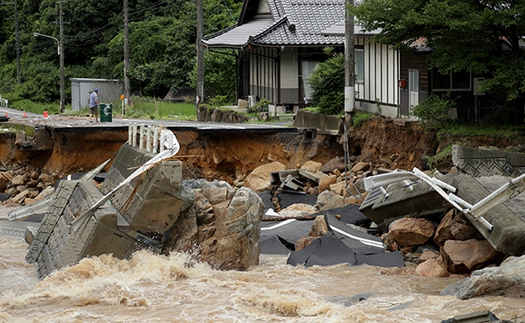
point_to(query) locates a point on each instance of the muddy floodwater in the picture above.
(154, 288)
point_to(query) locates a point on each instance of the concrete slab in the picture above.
(137, 216)
(401, 199)
(486, 162)
(508, 233)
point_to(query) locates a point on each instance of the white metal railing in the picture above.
(507, 191)
(3, 102)
(145, 137)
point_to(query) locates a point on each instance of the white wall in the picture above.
(381, 73)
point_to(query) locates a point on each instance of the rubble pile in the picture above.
(439, 243)
(24, 185)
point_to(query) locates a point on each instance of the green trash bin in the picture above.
(105, 113)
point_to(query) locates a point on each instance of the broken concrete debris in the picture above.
(151, 208)
(475, 317)
(168, 215)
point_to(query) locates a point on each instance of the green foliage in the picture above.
(328, 81)
(219, 74)
(311, 109)
(31, 106)
(432, 161)
(260, 106)
(156, 109)
(218, 100)
(162, 39)
(435, 109)
(360, 117)
(480, 36)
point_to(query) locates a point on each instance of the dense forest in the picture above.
(162, 46)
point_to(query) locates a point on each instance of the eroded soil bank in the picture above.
(383, 142)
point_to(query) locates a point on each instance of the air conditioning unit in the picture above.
(252, 100)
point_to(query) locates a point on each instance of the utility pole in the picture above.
(126, 59)
(18, 76)
(349, 63)
(61, 53)
(17, 43)
(200, 63)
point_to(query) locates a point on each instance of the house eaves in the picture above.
(236, 36)
(290, 23)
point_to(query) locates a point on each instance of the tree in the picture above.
(328, 82)
(469, 35)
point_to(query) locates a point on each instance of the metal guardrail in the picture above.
(507, 191)
(146, 137)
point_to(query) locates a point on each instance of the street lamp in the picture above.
(61, 54)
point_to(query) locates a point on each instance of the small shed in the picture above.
(81, 88)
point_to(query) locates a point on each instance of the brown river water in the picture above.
(154, 288)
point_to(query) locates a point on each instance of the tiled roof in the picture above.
(292, 23)
(238, 36)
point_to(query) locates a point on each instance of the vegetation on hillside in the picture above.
(162, 46)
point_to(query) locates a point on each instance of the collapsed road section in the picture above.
(147, 206)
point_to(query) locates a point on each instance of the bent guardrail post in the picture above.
(499, 196)
(168, 140)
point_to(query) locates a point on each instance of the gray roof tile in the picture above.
(292, 23)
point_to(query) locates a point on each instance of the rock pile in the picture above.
(437, 246)
(25, 185)
(453, 246)
(223, 222)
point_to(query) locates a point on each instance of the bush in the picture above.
(328, 84)
(435, 109)
(260, 106)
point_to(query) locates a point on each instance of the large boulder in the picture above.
(433, 267)
(5, 178)
(410, 231)
(325, 182)
(455, 226)
(328, 200)
(298, 210)
(20, 179)
(462, 257)
(312, 166)
(506, 280)
(260, 178)
(225, 232)
(337, 163)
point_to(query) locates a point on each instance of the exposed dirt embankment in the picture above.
(393, 143)
(383, 142)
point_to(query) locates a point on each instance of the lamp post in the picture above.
(61, 54)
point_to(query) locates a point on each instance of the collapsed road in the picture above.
(142, 209)
(220, 159)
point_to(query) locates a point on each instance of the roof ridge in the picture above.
(270, 28)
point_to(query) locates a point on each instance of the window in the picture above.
(359, 67)
(451, 82)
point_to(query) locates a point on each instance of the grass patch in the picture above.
(436, 159)
(464, 130)
(158, 109)
(141, 108)
(30, 106)
(360, 117)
